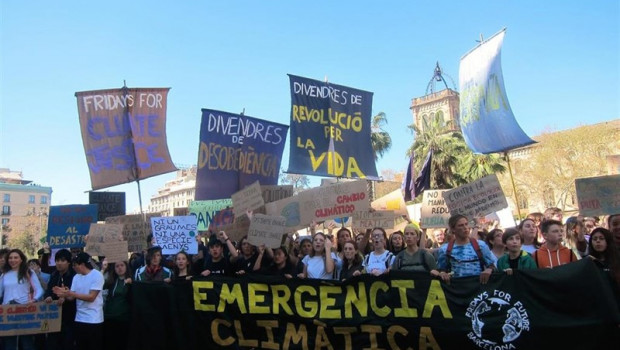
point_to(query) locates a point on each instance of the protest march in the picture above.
(255, 264)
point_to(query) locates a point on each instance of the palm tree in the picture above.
(379, 138)
(453, 164)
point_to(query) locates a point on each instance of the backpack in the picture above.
(388, 258)
(421, 256)
(474, 244)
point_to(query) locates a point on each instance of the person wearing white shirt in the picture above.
(86, 290)
(19, 285)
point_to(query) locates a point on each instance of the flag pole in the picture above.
(136, 170)
(514, 188)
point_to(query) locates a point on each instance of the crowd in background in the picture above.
(96, 298)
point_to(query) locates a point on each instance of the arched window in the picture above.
(522, 200)
(549, 198)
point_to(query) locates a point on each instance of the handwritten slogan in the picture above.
(267, 230)
(107, 240)
(135, 229)
(372, 219)
(36, 318)
(478, 198)
(434, 211)
(249, 198)
(205, 211)
(124, 134)
(598, 195)
(108, 203)
(322, 203)
(330, 130)
(235, 151)
(175, 233)
(68, 224)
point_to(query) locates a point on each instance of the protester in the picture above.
(516, 259)
(35, 265)
(280, 265)
(396, 243)
(321, 263)
(343, 235)
(494, 240)
(552, 253)
(62, 277)
(552, 214)
(590, 224)
(380, 260)
(413, 258)
(217, 263)
(4, 252)
(153, 271)
(16, 284)
(529, 235)
(603, 252)
(576, 237)
(464, 256)
(247, 257)
(86, 290)
(182, 269)
(351, 261)
(117, 310)
(363, 246)
(613, 224)
(305, 248)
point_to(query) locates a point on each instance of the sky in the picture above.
(560, 62)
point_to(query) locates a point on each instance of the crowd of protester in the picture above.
(96, 298)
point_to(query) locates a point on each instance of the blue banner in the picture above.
(330, 130)
(487, 121)
(235, 151)
(68, 224)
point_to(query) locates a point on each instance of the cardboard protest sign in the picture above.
(105, 233)
(108, 203)
(598, 195)
(434, 212)
(235, 226)
(175, 233)
(107, 240)
(267, 230)
(330, 130)
(235, 151)
(36, 318)
(372, 219)
(275, 193)
(249, 198)
(135, 229)
(321, 203)
(124, 134)
(392, 201)
(205, 211)
(68, 224)
(476, 199)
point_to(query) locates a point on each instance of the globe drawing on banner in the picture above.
(496, 309)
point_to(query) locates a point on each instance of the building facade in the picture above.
(174, 198)
(25, 206)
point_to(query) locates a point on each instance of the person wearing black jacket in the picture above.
(62, 277)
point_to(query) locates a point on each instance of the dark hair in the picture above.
(339, 248)
(23, 270)
(609, 218)
(402, 236)
(491, 236)
(150, 253)
(63, 254)
(544, 227)
(454, 219)
(112, 276)
(34, 261)
(175, 268)
(357, 259)
(609, 256)
(509, 233)
(83, 258)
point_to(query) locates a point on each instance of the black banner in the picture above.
(570, 307)
(108, 203)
